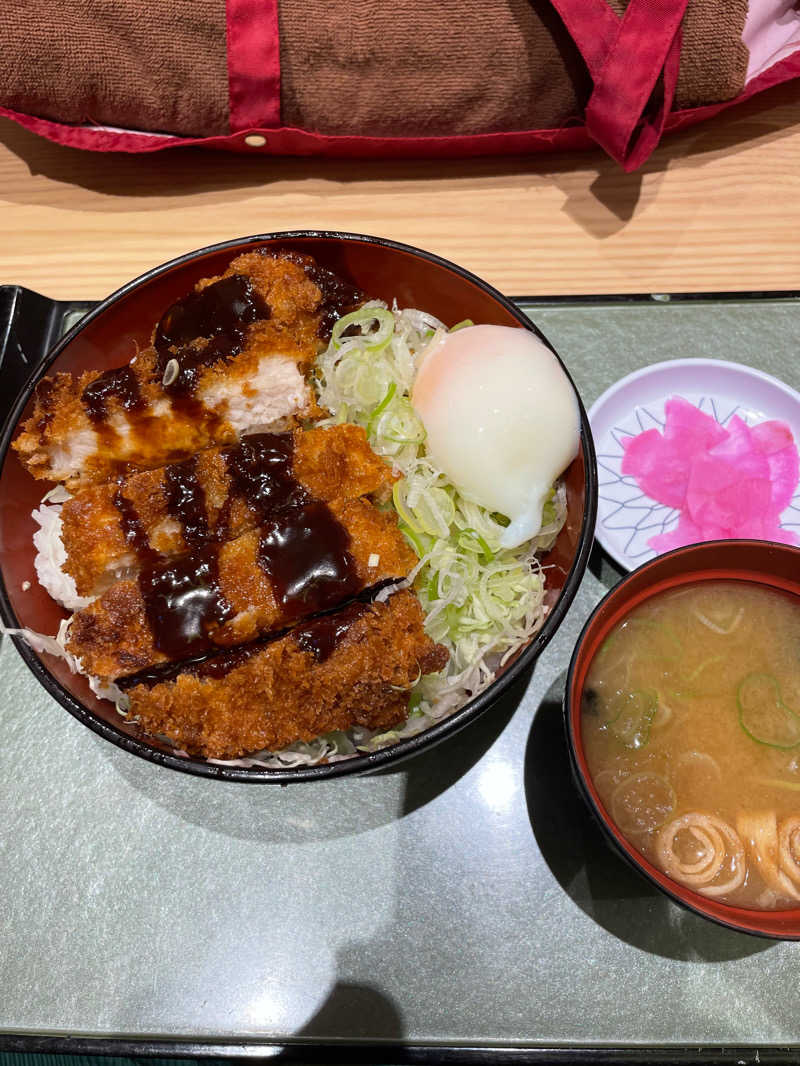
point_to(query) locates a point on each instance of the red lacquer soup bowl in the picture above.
(763, 563)
(108, 336)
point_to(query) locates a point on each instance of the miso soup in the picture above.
(691, 727)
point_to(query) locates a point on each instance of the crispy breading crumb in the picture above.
(281, 695)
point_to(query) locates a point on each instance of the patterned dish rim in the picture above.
(614, 415)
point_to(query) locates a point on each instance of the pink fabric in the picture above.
(771, 33)
(254, 64)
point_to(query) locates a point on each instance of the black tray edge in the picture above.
(394, 1054)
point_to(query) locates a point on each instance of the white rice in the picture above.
(51, 556)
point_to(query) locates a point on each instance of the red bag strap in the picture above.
(254, 64)
(626, 56)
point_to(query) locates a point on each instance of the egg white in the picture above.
(501, 418)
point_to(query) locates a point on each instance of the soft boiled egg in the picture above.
(501, 418)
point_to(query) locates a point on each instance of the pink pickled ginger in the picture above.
(726, 483)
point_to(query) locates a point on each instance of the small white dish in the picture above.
(626, 517)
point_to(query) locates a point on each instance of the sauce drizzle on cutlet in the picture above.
(320, 637)
(120, 383)
(182, 598)
(183, 602)
(303, 548)
(261, 469)
(133, 528)
(305, 552)
(218, 315)
(186, 501)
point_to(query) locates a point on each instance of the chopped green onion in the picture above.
(400, 506)
(699, 669)
(682, 694)
(461, 325)
(607, 645)
(486, 552)
(376, 339)
(763, 715)
(415, 539)
(632, 715)
(776, 782)
(414, 703)
(481, 601)
(378, 411)
(662, 630)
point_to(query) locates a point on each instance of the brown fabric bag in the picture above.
(452, 75)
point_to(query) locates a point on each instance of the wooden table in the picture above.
(716, 208)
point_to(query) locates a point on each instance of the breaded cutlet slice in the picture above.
(272, 695)
(331, 463)
(95, 426)
(114, 637)
(283, 283)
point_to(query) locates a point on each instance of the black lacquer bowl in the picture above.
(106, 337)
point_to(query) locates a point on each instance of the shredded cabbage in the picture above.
(481, 601)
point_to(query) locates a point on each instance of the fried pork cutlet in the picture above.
(295, 564)
(354, 667)
(212, 496)
(230, 358)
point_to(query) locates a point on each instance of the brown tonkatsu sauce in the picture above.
(219, 314)
(320, 637)
(182, 599)
(260, 467)
(303, 548)
(186, 501)
(222, 307)
(204, 328)
(133, 529)
(183, 602)
(339, 297)
(197, 331)
(121, 383)
(323, 635)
